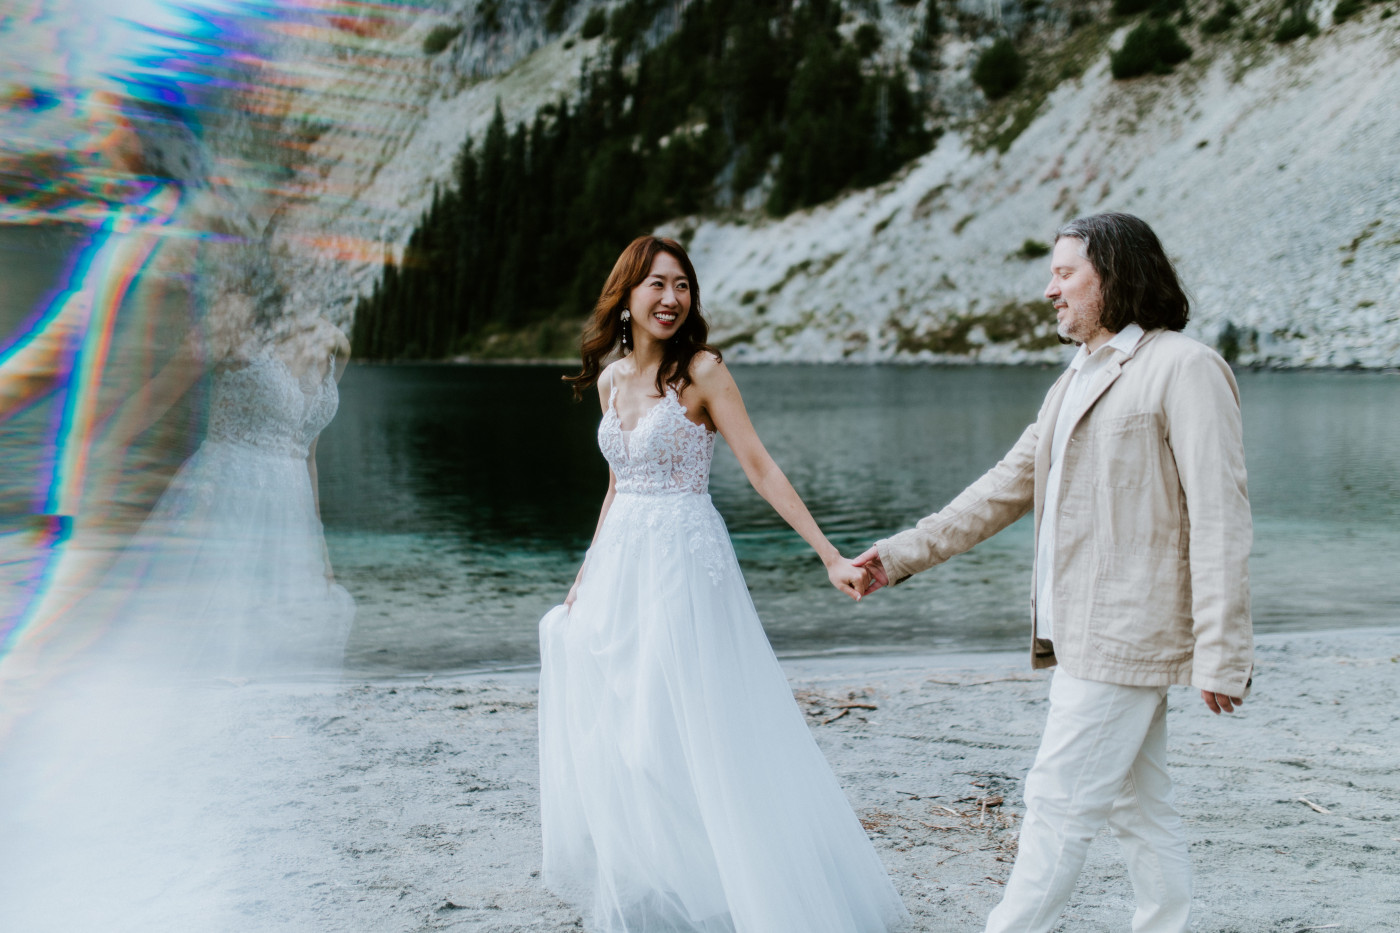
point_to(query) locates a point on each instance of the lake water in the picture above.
(458, 500)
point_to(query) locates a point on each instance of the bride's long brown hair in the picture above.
(603, 334)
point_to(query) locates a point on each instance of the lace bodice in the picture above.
(665, 452)
(264, 405)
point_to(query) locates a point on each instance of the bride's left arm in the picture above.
(340, 349)
(341, 359)
(342, 353)
(720, 399)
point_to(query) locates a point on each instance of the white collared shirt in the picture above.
(1084, 367)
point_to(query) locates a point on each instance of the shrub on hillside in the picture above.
(999, 69)
(1220, 20)
(1033, 249)
(554, 16)
(867, 39)
(594, 23)
(1295, 22)
(1294, 26)
(1160, 9)
(439, 38)
(488, 17)
(1152, 47)
(1346, 9)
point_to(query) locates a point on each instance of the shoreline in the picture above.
(945, 363)
(803, 662)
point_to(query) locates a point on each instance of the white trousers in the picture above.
(1102, 760)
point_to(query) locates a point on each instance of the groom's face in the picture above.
(1075, 292)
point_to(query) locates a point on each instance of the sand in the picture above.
(412, 805)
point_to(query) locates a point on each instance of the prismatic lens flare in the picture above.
(160, 143)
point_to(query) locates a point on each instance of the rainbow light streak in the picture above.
(104, 274)
(65, 164)
(76, 79)
(120, 259)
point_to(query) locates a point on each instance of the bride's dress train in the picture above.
(681, 789)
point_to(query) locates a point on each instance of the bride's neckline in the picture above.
(670, 394)
(270, 355)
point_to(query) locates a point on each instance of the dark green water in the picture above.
(459, 500)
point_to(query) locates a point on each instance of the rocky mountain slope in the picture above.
(1268, 169)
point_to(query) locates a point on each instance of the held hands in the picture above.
(874, 569)
(846, 577)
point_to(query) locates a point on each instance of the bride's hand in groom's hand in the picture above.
(875, 568)
(846, 577)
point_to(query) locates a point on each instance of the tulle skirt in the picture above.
(115, 780)
(681, 789)
(228, 577)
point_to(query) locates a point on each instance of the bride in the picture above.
(681, 789)
(238, 532)
(227, 575)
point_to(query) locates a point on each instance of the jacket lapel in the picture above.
(1046, 437)
(1102, 380)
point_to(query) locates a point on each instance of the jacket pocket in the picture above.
(1127, 451)
(1140, 608)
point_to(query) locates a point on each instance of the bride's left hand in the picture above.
(847, 577)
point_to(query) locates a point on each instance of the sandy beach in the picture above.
(412, 805)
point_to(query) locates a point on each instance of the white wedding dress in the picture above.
(117, 780)
(228, 575)
(681, 790)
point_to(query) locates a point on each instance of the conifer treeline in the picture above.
(538, 214)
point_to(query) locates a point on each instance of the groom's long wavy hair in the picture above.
(602, 336)
(1138, 283)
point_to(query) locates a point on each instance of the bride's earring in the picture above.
(626, 316)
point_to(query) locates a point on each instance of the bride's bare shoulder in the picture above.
(708, 372)
(707, 366)
(340, 342)
(605, 382)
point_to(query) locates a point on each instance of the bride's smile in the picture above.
(661, 303)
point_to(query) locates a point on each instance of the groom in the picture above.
(1135, 471)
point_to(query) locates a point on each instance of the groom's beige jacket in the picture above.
(1153, 533)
